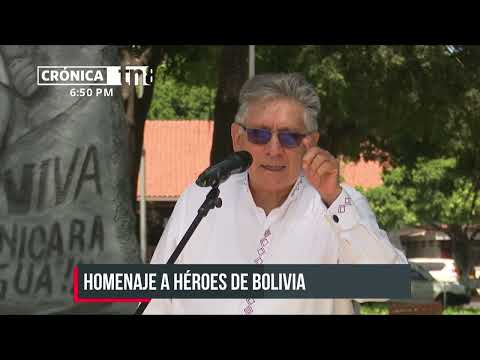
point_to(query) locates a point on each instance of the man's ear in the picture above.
(236, 132)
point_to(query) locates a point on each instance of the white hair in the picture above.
(273, 86)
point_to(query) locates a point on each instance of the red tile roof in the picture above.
(177, 151)
(367, 174)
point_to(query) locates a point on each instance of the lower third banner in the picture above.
(142, 282)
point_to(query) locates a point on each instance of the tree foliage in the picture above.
(175, 99)
(433, 193)
(394, 98)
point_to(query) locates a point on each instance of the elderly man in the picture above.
(288, 208)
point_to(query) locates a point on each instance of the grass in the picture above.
(382, 309)
(458, 310)
(374, 309)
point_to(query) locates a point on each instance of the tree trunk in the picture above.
(232, 74)
(462, 251)
(140, 110)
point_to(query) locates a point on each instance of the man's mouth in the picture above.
(275, 168)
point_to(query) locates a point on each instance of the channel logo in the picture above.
(94, 75)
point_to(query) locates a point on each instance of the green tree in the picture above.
(394, 98)
(399, 99)
(175, 99)
(432, 192)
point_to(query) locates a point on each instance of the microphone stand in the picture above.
(212, 200)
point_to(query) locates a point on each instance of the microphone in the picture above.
(216, 174)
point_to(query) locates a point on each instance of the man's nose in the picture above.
(274, 147)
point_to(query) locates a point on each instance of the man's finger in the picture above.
(326, 168)
(310, 155)
(317, 162)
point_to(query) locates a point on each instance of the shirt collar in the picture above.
(294, 193)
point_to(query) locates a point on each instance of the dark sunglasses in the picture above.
(287, 139)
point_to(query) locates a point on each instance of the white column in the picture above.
(143, 210)
(251, 61)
